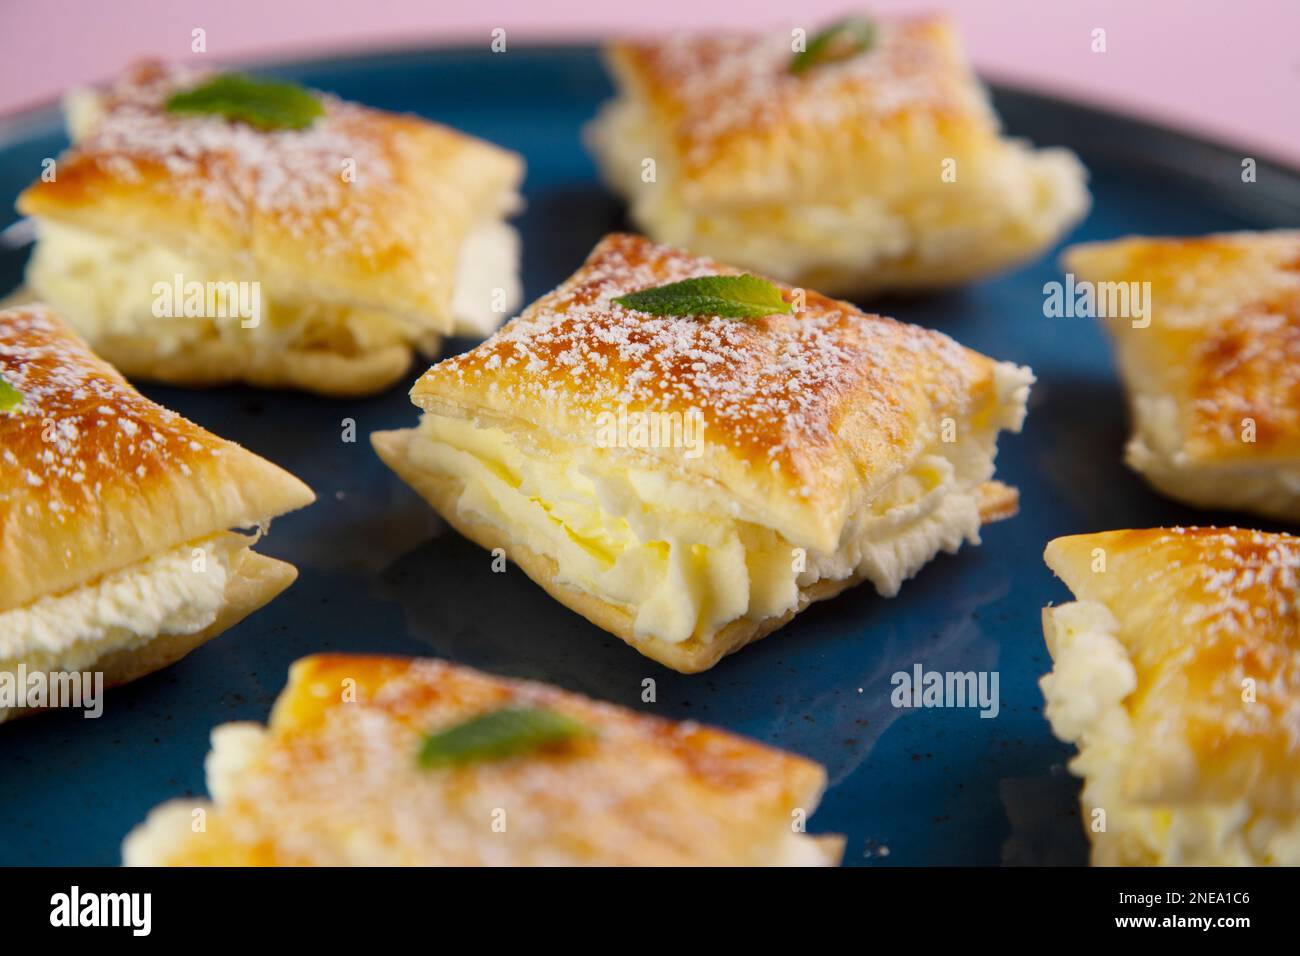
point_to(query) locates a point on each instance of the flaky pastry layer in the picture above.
(1211, 367)
(367, 236)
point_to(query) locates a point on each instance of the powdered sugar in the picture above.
(779, 383)
(79, 425)
(1251, 578)
(719, 86)
(294, 174)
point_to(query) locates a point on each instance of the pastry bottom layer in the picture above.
(122, 652)
(1092, 677)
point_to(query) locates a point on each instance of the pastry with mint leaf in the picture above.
(852, 157)
(688, 455)
(209, 228)
(389, 761)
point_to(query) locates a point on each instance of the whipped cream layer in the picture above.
(107, 286)
(179, 591)
(677, 554)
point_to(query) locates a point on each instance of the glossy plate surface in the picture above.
(379, 573)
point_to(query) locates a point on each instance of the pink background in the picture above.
(1227, 68)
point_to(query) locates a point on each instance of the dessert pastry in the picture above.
(870, 160)
(691, 482)
(383, 761)
(1177, 674)
(116, 553)
(1212, 365)
(209, 229)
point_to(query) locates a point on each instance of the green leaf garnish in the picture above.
(499, 734)
(10, 397)
(264, 104)
(732, 297)
(840, 41)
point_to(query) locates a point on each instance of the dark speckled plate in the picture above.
(380, 574)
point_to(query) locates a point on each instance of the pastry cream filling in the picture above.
(917, 231)
(108, 286)
(1085, 693)
(676, 555)
(177, 592)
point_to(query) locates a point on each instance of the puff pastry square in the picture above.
(335, 783)
(116, 548)
(1177, 674)
(834, 446)
(885, 170)
(1213, 370)
(369, 234)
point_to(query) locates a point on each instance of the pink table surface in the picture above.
(1229, 69)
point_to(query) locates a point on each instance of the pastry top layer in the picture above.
(805, 415)
(333, 781)
(1211, 620)
(733, 112)
(95, 477)
(1224, 338)
(364, 207)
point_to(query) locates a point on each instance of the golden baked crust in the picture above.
(742, 126)
(358, 240)
(883, 170)
(1211, 370)
(277, 207)
(332, 782)
(1210, 620)
(94, 477)
(691, 656)
(806, 415)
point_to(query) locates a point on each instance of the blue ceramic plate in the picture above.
(380, 574)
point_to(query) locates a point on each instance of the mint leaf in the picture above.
(499, 734)
(10, 397)
(732, 297)
(264, 104)
(840, 41)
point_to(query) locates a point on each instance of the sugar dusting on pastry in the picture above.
(78, 419)
(1177, 673)
(296, 174)
(722, 85)
(1201, 610)
(1248, 579)
(767, 383)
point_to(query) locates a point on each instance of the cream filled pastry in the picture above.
(1176, 672)
(691, 482)
(117, 552)
(445, 766)
(1207, 334)
(865, 157)
(193, 239)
